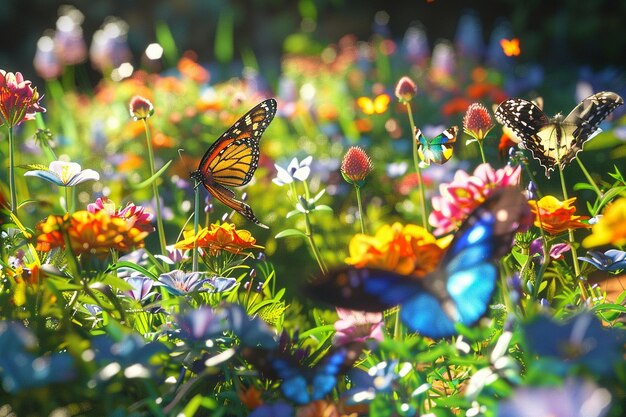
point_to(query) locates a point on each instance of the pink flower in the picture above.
(405, 89)
(136, 215)
(18, 100)
(140, 108)
(465, 193)
(357, 326)
(356, 165)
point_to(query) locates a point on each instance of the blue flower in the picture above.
(20, 369)
(279, 409)
(201, 324)
(612, 260)
(178, 282)
(581, 341)
(575, 398)
(64, 174)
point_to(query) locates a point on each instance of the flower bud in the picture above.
(477, 121)
(140, 108)
(356, 166)
(405, 89)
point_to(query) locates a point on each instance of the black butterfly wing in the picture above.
(532, 126)
(585, 118)
(363, 289)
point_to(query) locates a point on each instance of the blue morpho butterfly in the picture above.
(458, 291)
(301, 384)
(438, 149)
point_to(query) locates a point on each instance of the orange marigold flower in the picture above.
(89, 233)
(218, 237)
(319, 408)
(611, 227)
(555, 216)
(407, 250)
(250, 397)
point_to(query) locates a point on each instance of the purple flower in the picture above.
(357, 326)
(201, 324)
(178, 282)
(142, 288)
(612, 260)
(556, 251)
(575, 398)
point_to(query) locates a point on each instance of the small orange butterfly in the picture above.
(377, 106)
(510, 47)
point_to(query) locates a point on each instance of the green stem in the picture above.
(570, 232)
(12, 189)
(360, 204)
(309, 236)
(482, 152)
(155, 190)
(418, 170)
(532, 178)
(196, 220)
(591, 181)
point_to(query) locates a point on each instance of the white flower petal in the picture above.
(302, 173)
(283, 176)
(86, 175)
(306, 161)
(45, 175)
(293, 165)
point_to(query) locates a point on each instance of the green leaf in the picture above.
(323, 207)
(290, 232)
(153, 178)
(224, 36)
(318, 196)
(166, 40)
(133, 266)
(520, 257)
(292, 213)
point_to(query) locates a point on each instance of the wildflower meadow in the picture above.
(388, 226)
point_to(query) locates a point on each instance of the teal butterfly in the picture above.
(438, 149)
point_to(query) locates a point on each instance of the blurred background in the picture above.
(559, 34)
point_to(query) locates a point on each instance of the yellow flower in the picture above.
(407, 250)
(555, 216)
(611, 228)
(89, 233)
(218, 237)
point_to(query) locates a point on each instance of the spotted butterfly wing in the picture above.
(233, 158)
(301, 384)
(438, 149)
(556, 140)
(458, 291)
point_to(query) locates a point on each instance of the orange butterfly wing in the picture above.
(233, 158)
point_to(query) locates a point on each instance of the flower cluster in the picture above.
(408, 249)
(89, 233)
(461, 196)
(218, 237)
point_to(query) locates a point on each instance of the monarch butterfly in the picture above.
(232, 159)
(378, 105)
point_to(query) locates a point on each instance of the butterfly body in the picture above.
(438, 149)
(458, 291)
(233, 158)
(557, 140)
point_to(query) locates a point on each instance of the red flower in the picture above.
(356, 165)
(140, 108)
(18, 100)
(477, 121)
(405, 89)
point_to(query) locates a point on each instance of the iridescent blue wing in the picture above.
(439, 149)
(459, 291)
(301, 384)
